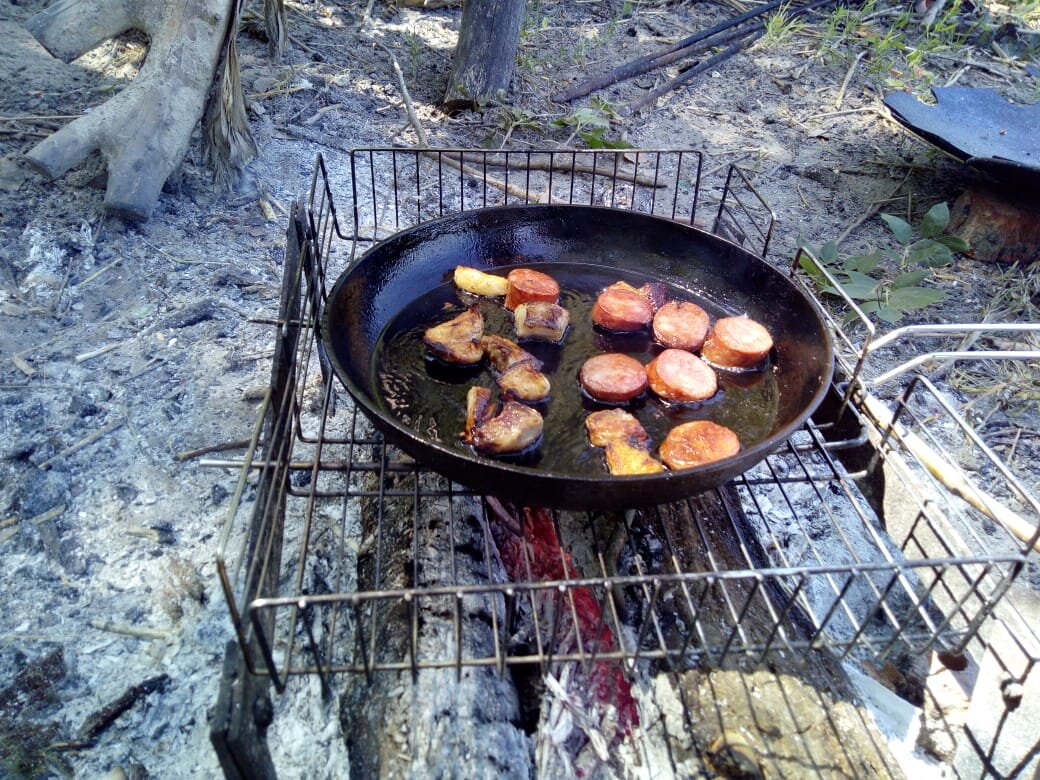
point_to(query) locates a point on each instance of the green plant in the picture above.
(865, 280)
(779, 27)
(591, 123)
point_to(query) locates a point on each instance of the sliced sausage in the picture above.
(681, 325)
(678, 375)
(696, 443)
(527, 285)
(737, 342)
(622, 309)
(613, 377)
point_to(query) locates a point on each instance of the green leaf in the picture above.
(859, 286)
(588, 117)
(928, 253)
(864, 263)
(889, 315)
(900, 228)
(954, 243)
(829, 252)
(935, 221)
(913, 298)
(595, 140)
(910, 278)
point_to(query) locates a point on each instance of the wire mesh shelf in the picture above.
(340, 554)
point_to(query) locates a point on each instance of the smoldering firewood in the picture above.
(398, 724)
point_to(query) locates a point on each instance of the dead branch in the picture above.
(661, 57)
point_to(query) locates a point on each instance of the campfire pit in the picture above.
(538, 640)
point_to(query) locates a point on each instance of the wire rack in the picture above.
(339, 552)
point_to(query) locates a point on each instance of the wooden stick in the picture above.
(84, 442)
(98, 273)
(688, 75)
(83, 357)
(566, 165)
(221, 447)
(848, 77)
(651, 61)
(420, 133)
(137, 633)
(950, 475)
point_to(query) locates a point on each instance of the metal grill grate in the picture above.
(336, 542)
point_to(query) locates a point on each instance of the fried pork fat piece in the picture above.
(459, 339)
(625, 442)
(515, 428)
(477, 282)
(516, 370)
(541, 320)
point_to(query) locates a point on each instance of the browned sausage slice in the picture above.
(677, 375)
(622, 309)
(696, 443)
(527, 285)
(681, 325)
(737, 342)
(613, 377)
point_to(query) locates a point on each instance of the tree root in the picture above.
(144, 131)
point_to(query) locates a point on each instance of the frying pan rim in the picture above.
(754, 453)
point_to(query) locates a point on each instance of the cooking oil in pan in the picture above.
(430, 397)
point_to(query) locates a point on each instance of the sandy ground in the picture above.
(124, 345)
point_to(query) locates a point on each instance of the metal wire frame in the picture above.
(305, 614)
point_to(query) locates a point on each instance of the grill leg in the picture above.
(239, 721)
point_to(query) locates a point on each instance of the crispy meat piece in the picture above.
(514, 429)
(476, 282)
(524, 382)
(541, 320)
(503, 354)
(624, 458)
(625, 441)
(615, 425)
(459, 339)
(479, 409)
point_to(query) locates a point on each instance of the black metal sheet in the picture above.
(368, 298)
(977, 126)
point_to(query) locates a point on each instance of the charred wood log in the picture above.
(400, 724)
(485, 54)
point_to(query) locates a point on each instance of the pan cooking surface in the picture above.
(376, 312)
(430, 397)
